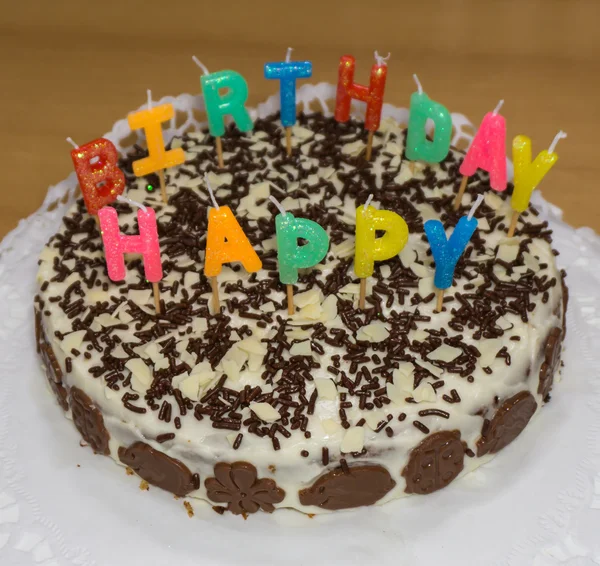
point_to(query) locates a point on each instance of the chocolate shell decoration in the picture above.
(354, 487)
(159, 469)
(434, 463)
(53, 372)
(551, 361)
(89, 422)
(238, 485)
(508, 422)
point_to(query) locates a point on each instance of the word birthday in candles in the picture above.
(347, 90)
(418, 147)
(116, 245)
(290, 254)
(369, 248)
(287, 73)
(447, 251)
(96, 166)
(528, 173)
(158, 159)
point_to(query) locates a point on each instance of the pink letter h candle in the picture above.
(117, 244)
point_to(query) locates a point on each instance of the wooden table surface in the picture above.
(74, 68)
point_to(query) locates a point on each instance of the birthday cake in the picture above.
(332, 407)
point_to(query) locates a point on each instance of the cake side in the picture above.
(330, 408)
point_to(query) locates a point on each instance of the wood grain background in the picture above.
(73, 68)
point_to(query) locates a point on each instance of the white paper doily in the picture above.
(537, 503)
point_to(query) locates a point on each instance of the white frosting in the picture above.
(198, 445)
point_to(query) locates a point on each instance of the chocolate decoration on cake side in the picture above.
(89, 421)
(509, 421)
(565, 301)
(159, 469)
(52, 368)
(238, 485)
(551, 362)
(345, 489)
(434, 463)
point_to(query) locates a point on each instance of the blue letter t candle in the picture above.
(287, 72)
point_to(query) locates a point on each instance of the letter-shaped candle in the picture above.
(231, 103)
(369, 248)
(158, 159)
(347, 90)
(447, 251)
(117, 244)
(99, 176)
(287, 73)
(528, 173)
(226, 242)
(487, 152)
(292, 256)
(418, 147)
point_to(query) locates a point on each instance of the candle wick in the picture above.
(475, 207)
(367, 203)
(498, 106)
(288, 55)
(210, 192)
(278, 205)
(419, 87)
(149, 93)
(131, 202)
(70, 140)
(200, 64)
(561, 135)
(382, 60)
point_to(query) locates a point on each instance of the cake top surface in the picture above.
(253, 372)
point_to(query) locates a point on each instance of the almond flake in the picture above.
(301, 349)
(426, 286)
(265, 412)
(508, 252)
(307, 298)
(326, 389)
(354, 440)
(421, 270)
(374, 332)
(373, 418)
(252, 346)
(445, 353)
(139, 296)
(72, 340)
(140, 370)
(424, 393)
(190, 387)
(488, 348)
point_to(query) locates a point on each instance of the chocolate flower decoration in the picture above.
(237, 485)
